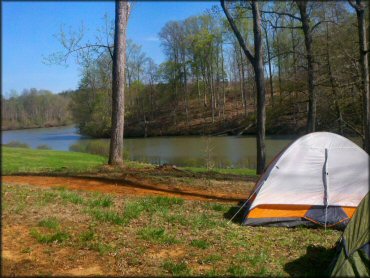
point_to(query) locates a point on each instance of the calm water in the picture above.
(223, 151)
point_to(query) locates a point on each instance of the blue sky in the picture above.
(28, 30)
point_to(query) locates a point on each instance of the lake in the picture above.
(220, 151)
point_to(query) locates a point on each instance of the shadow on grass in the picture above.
(315, 262)
(233, 210)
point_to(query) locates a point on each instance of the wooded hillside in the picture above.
(206, 86)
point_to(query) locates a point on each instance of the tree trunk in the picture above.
(270, 68)
(242, 84)
(333, 84)
(122, 11)
(260, 85)
(360, 11)
(279, 66)
(257, 62)
(311, 117)
(223, 83)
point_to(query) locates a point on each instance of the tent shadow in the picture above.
(315, 262)
(233, 210)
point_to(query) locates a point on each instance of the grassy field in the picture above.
(24, 160)
(56, 231)
(62, 232)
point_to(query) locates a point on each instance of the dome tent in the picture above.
(319, 179)
(353, 258)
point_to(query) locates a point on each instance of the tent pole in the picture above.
(250, 196)
(326, 203)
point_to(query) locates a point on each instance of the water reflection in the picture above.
(221, 151)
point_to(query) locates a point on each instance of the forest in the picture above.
(35, 108)
(206, 85)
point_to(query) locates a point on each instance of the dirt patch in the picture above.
(81, 271)
(169, 253)
(23, 256)
(125, 187)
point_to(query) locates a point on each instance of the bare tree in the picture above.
(87, 53)
(359, 7)
(122, 12)
(307, 30)
(257, 62)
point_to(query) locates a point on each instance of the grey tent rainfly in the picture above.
(317, 180)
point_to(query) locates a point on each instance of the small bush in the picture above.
(43, 147)
(16, 144)
(99, 147)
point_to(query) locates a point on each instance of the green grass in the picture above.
(151, 205)
(57, 237)
(216, 207)
(132, 210)
(176, 269)
(22, 160)
(236, 270)
(177, 219)
(232, 171)
(87, 235)
(157, 235)
(199, 243)
(101, 201)
(100, 247)
(72, 197)
(163, 201)
(51, 223)
(43, 160)
(213, 258)
(109, 216)
(171, 236)
(203, 221)
(47, 198)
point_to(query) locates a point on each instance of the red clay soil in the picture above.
(124, 187)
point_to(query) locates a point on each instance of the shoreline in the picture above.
(35, 127)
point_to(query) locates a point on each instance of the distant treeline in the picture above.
(35, 108)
